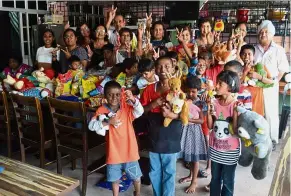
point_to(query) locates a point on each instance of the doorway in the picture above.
(10, 38)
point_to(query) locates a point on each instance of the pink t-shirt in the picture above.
(193, 110)
(223, 147)
(220, 137)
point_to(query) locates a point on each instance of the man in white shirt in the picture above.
(274, 58)
(119, 23)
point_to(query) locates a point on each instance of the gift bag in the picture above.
(77, 82)
(63, 84)
(88, 85)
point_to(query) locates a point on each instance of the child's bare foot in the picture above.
(185, 180)
(191, 189)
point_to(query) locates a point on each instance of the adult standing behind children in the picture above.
(205, 38)
(158, 32)
(119, 23)
(165, 141)
(70, 39)
(274, 58)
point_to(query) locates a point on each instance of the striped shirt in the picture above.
(245, 97)
(224, 147)
(226, 158)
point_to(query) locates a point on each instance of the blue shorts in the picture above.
(115, 171)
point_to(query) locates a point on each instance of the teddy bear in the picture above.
(19, 83)
(176, 99)
(253, 129)
(263, 71)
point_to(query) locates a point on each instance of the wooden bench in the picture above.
(22, 179)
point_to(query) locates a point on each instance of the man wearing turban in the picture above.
(274, 58)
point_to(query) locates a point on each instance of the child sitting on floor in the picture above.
(121, 146)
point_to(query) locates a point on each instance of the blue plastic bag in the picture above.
(124, 184)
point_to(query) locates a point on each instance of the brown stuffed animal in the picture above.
(177, 99)
(221, 54)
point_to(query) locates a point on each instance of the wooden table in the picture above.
(21, 179)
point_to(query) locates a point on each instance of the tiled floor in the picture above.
(245, 184)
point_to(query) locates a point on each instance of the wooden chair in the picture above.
(30, 126)
(5, 124)
(70, 117)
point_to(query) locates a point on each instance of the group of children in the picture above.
(192, 142)
(138, 89)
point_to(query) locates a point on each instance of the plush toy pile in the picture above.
(73, 85)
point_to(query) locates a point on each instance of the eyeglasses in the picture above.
(101, 31)
(69, 36)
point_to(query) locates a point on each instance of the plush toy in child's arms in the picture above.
(177, 100)
(97, 126)
(264, 72)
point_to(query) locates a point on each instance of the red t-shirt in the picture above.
(212, 72)
(149, 95)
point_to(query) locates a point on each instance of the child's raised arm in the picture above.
(135, 103)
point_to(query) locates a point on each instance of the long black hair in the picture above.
(231, 79)
(54, 43)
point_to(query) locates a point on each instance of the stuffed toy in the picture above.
(19, 83)
(211, 94)
(219, 25)
(263, 71)
(253, 129)
(177, 100)
(63, 84)
(95, 123)
(45, 78)
(221, 54)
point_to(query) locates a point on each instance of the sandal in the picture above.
(202, 174)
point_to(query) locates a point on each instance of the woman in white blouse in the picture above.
(274, 58)
(45, 53)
